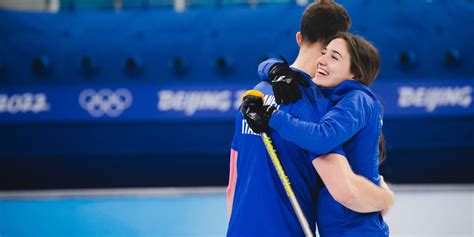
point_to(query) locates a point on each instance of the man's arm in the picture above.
(232, 180)
(349, 189)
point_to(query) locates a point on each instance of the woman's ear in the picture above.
(352, 77)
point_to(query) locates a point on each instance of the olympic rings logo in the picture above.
(105, 101)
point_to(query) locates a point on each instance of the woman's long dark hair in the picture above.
(365, 66)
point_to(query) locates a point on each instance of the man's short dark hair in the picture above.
(322, 20)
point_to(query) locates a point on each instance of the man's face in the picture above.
(333, 67)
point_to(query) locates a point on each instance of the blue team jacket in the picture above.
(261, 206)
(355, 121)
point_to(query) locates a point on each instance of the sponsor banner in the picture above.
(199, 103)
(426, 98)
(173, 103)
(125, 102)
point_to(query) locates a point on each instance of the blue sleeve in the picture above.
(265, 66)
(337, 150)
(344, 120)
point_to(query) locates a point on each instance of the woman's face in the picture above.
(333, 67)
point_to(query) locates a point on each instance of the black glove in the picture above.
(285, 83)
(256, 114)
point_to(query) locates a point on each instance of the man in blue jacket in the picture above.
(258, 205)
(354, 121)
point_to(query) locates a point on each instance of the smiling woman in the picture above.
(333, 65)
(349, 57)
(345, 58)
(349, 64)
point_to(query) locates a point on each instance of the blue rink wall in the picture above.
(148, 97)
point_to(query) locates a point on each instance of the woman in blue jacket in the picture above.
(349, 64)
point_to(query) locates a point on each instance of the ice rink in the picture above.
(419, 210)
